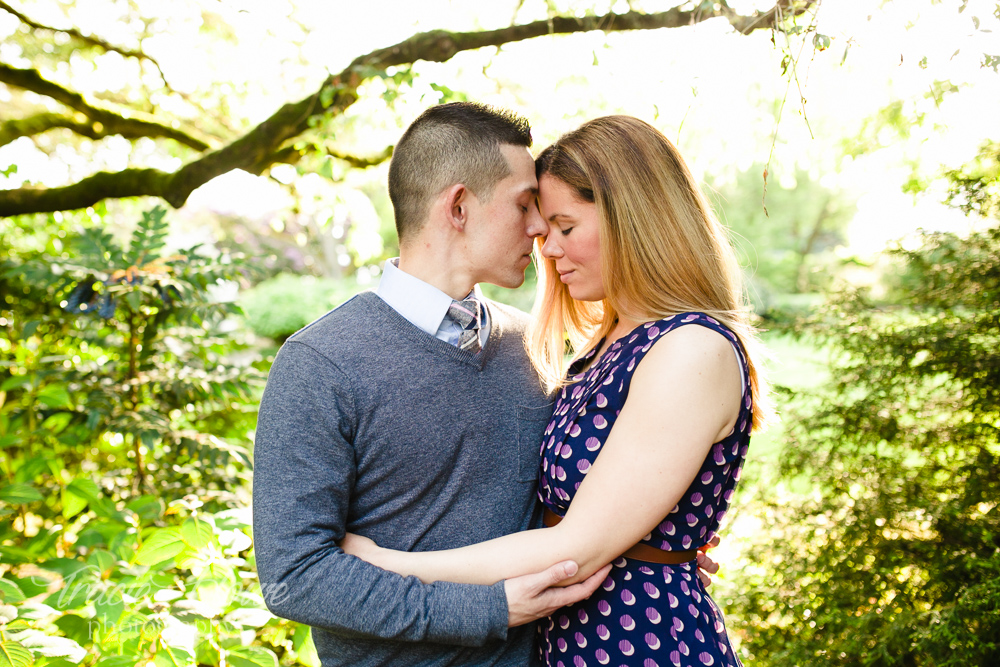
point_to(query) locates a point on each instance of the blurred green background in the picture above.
(161, 240)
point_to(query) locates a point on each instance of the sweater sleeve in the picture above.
(304, 471)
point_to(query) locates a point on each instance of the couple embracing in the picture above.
(432, 476)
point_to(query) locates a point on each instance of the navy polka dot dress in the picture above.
(644, 614)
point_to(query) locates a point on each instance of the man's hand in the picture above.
(706, 566)
(532, 596)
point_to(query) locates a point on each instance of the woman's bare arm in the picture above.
(685, 396)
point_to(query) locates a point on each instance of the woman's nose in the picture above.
(551, 248)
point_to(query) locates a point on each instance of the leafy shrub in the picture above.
(894, 558)
(125, 419)
(280, 306)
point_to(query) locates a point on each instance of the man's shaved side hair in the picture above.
(445, 145)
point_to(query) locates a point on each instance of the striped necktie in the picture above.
(467, 314)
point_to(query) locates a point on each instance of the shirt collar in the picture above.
(422, 304)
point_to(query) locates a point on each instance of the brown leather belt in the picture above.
(642, 552)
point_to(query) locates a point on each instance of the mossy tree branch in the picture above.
(89, 40)
(266, 144)
(126, 122)
(98, 43)
(43, 122)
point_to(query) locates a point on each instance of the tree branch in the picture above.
(97, 42)
(43, 122)
(362, 162)
(89, 40)
(90, 190)
(127, 122)
(262, 146)
(439, 45)
(292, 155)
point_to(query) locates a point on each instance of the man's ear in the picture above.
(457, 206)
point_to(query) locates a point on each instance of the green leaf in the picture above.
(149, 508)
(196, 534)
(10, 439)
(109, 606)
(9, 592)
(15, 381)
(148, 237)
(205, 653)
(134, 299)
(29, 328)
(216, 592)
(59, 647)
(33, 585)
(326, 96)
(71, 503)
(102, 561)
(77, 495)
(253, 617)
(300, 636)
(117, 661)
(123, 545)
(55, 396)
(34, 611)
(67, 568)
(251, 656)
(131, 625)
(76, 627)
(326, 169)
(106, 510)
(821, 42)
(305, 653)
(13, 654)
(8, 613)
(73, 596)
(55, 662)
(20, 494)
(58, 422)
(162, 544)
(172, 656)
(32, 467)
(86, 488)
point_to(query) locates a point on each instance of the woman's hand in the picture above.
(359, 546)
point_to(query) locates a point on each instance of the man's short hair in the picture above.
(449, 144)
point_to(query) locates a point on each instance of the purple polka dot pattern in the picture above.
(643, 614)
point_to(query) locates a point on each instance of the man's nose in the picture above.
(536, 226)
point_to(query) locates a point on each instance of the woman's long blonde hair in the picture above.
(663, 252)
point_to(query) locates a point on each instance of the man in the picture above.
(413, 416)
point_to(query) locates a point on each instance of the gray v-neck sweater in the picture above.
(370, 425)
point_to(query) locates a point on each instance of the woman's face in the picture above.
(573, 238)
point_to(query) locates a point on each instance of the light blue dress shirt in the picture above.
(425, 306)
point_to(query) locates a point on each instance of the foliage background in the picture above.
(135, 338)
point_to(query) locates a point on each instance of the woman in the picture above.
(633, 256)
